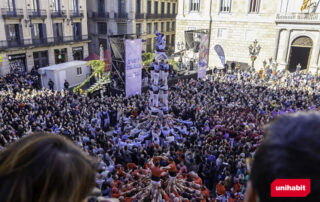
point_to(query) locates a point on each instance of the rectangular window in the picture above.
(35, 5)
(75, 6)
(149, 28)
(11, 5)
(156, 7)
(79, 71)
(168, 26)
(225, 5)
(155, 26)
(254, 6)
(173, 40)
(138, 28)
(162, 7)
(57, 5)
(122, 28)
(162, 26)
(138, 6)
(121, 6)
(101, 6)
(222, 33)
(149, 7)
(168, 8)
(194, 5)
(13, 32)
(149, 45)
(77, 31)
(173, 8)
(173, 26)
(102, 28)
(40, 59)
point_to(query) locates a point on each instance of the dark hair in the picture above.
(290, 151)
(45, 168)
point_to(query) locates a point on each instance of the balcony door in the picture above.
(35, 6)
(121, 6)
(77, 31)
(75, 6)
(38, 32)
(11, 6)
(57, 5)
(58, 32)
(101, 6)
(14, 34)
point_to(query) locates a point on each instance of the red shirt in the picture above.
(156, 171)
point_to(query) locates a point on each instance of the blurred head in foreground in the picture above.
(45, 168)
(291, 150)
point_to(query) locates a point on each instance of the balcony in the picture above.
(299, 18)
(140, 16)
(154, 15)
(100, 15)
(58, 14)
(121, 15)
(37, 13)
(50, 41)
(76, 13)
(9, 13)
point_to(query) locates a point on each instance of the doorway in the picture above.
(300, 53)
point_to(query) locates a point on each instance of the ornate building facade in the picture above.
(36, 33)
(140, 17)
(285, 33)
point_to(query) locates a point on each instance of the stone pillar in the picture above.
(315, 55)
(283, 61)
(275, 53)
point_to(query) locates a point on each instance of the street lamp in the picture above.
(254, 50)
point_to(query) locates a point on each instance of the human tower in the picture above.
(159, 77)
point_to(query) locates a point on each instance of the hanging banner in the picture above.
(203, 56)
(220, 53)
(133, 67)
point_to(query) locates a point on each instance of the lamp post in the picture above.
(254, 50)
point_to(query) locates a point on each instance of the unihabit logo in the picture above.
(290, 188)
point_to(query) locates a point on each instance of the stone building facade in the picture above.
(140, 17)
(285, 33)
(36, 33)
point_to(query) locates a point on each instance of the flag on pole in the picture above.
(304, 5)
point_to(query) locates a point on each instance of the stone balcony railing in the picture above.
(298, 18)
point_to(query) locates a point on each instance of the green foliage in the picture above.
(174, 64)
(147, 59)
(100, 82)
(97, 69)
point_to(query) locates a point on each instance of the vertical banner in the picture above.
(133, 67)
(221, 55)
(203, 56)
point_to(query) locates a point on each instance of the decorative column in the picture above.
(315, 55)
(275, 53)
(283, 61)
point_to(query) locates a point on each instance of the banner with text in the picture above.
(203, 55)
(133, 67)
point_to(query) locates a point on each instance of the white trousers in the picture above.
(165, 99)
(151, 96)
(156, 78)
(165, 78)
(155, 100)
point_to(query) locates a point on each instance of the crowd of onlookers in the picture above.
(199, 150)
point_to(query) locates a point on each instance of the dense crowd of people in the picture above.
(196, 152)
